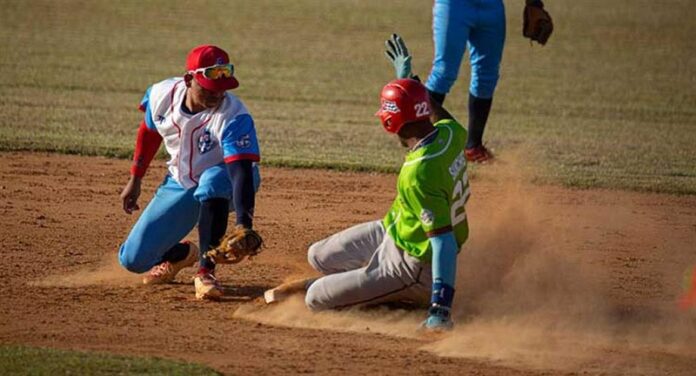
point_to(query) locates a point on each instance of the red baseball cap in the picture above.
(207, 56)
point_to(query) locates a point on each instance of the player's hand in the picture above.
(398, 55)
(537, 24)
(438, 319)
(130, 195)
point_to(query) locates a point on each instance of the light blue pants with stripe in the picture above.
(478, 24)
(171, 215)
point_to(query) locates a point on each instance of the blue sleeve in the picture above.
(444, 264)
(243, 194)
(444, 257)
(239, 140)
(145, 107)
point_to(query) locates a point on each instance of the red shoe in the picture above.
(478, 154)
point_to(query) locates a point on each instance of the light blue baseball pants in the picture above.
(480, 24)
(171, 215)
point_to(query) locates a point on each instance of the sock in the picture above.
(478, 115)
(176, 253)
(212, 224)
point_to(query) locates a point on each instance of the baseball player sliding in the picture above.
(211, 140)
(411, 254)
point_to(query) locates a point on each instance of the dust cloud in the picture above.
(294, 313)
(109, 273)
(529, 292)
(530, 295)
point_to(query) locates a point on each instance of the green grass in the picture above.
(21, 360)
(610, 102)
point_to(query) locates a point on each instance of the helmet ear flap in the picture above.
(389, 125)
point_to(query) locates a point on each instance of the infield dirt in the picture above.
(552, 281)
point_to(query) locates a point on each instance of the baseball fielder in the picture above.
(480, 26)
(411, 253)
(211, 140)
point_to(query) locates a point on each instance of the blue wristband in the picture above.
(443, 294)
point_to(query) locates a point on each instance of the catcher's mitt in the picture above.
(236, 246)
(537, 24)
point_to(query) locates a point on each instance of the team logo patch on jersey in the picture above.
(391, 107)
(244, 142)
(426, 217)
(205, 142)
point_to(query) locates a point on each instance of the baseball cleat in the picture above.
(287, 289)
(478, 154)
(166, 271)
(207, 286)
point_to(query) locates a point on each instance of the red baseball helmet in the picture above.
(403, 101)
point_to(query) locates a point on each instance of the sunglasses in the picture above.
(216, 71)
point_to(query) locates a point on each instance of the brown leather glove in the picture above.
(236, 246)
(537, 24)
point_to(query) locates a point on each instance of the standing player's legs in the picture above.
(451, 23)
(391, 275)
(486, 41)
(347, 250)
(155, 237)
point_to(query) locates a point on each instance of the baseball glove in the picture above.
(236, 246)
(537, 24)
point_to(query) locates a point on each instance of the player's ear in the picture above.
(187, 79)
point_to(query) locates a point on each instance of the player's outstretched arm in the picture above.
(444, 272)
(243, 194)
(242, 241)
(397, 53)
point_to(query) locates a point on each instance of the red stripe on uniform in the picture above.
(191, 150)
(178, 134)
(438, 231)
(239, 157)
(171, 97)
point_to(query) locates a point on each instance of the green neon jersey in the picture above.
(432, 189)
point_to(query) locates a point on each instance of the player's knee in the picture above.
(203, 194)
(312, 300)
(441, 79)
(483, 84)
(314, 257)
(131, 262)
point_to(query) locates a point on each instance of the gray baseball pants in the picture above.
(363, 266)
